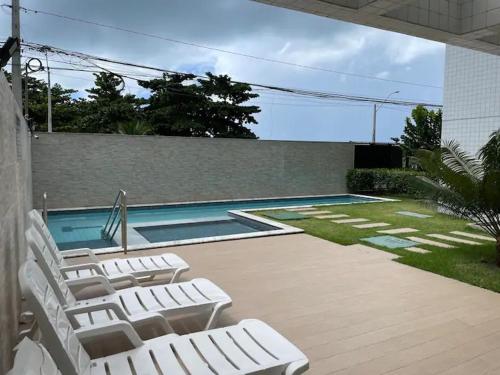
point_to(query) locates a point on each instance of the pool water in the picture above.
(73, 229)
(176, 232)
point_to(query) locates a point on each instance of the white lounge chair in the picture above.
(116, 270)
(250, 347)
(140, 305)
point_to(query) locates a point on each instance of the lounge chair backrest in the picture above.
(33, 359)
(57, 333)
(49, 266)
(37, 221)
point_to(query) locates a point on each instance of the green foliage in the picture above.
(65, 111)
(382, 181)
(135, 128)
(465, 186)
(490, 153)
(180, 105)
(422, 131)
(107, 108)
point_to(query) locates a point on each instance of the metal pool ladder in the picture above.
(117, 216)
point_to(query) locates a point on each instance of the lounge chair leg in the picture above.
(177, 274)
(297, 368)
(214, 317)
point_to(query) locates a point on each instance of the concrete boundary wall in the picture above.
(85, 170)
(15, 201)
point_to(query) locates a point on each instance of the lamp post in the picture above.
(375, 110)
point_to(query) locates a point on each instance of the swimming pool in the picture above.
(73, 229)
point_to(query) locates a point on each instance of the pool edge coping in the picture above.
(284, 229)
(232, 200)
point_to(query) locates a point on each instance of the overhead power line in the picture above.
(221, 50)
(90, 59)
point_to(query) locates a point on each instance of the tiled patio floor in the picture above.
(351, 309)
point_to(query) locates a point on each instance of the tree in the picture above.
(180, 105)
(175, 106)
(466, 186)
(65, 113)
(107, 108)
(225, 115)
(422, 131)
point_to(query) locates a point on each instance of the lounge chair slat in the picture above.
(191, 359)
(278, 345)
(250, 347)
(216, 358)
(132, 303)
(161, 351)
(232, 349)
(148, 300)
(138, 359)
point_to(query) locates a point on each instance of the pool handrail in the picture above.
(119, 211)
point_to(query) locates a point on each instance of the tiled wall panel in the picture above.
(471, 97)
(15, 201)
(88, 169)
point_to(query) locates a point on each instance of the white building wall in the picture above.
(471, 97)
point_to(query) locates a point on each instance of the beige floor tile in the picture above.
(430, 242)
(338, 216)
(351, 309)
(475, 236)
(417, 250)
(349, 221)
(371, 225)
(453, 239)
(398, 231)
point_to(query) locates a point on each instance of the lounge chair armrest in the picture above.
(152, 318)
(84, 266)
(83, 251)
(95, 331)
(92, 280)
(91, 307)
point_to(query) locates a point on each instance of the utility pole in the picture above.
(375, 110)
(16, 57)
(374, 128)
(49, 96)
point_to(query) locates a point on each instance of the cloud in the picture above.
(255, 29)
(383, 74)
(403, 49)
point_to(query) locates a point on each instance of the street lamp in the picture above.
(375, 110)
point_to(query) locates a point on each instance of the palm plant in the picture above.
(135, 128)
(466, 186)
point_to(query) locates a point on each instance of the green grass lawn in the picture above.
(469, 263)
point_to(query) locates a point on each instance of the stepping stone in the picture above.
(472, 235)
(371, 225)
(286, 216)
(430, 242)
(413, 214)
(398, 231)
(299, 209)
(331, 216)
(390, 241)
(349, 221)
(315, 212)
(417, 250)
(453, 239)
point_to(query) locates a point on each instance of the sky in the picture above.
(251, 28)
